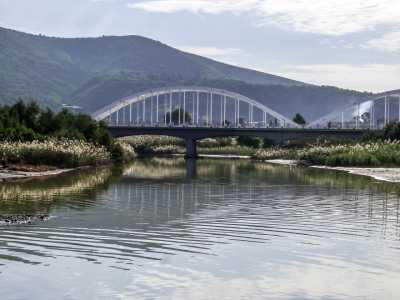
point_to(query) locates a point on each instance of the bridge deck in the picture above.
(277, 135)
(197, 133)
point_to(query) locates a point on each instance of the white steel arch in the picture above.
(225, 95)
(373, 113)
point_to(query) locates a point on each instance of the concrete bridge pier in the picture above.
(191, 168)
(191, 148)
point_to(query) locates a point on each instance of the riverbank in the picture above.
(382, 174)
(19, 172)
(16, 172)
(286, 162)
(19, 160)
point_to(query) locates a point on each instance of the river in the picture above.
(212, 229)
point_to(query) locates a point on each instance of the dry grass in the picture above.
(61, 153)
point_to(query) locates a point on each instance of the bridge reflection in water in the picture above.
(161, 191)
(155, 209)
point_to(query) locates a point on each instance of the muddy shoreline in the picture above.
(16, 172)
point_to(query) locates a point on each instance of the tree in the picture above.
(32, 113)
(392, 131)
(299, 119)
(267, 143)
(178, 119)
(46, 122)
(27, 122)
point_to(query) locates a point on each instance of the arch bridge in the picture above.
(372, 114)
(194, 113)
(193, 106)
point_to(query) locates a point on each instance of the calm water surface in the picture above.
(212, 229)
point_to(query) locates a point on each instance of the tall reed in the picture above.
(61, 153)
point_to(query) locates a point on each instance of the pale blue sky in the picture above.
(347, 43)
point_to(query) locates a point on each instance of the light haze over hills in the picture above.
(92, 72)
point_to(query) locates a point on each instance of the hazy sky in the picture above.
(347, 43)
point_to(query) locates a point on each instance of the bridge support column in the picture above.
(191, 148)
(191, 168)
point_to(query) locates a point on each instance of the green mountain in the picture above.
(92, 72)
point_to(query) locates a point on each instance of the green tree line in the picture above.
(27, 122)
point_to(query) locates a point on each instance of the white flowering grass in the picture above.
(273, 153)
(128, 152)
(374, 154)
(382, 153)
(149, 141)
(167, 145)
(228, 150)
(61, 153)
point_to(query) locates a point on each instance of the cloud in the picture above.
(211, 51)
(195, 6)
(103, 1)
(389, 42)
(333, 17)
(369, 77)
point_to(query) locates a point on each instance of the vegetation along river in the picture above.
(212, 229)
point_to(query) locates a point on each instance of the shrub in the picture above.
(392, 131)
(371, 137)
(248, 141)
(268, 143)
(273, 153)
(299, 119)
(150, 145)
(122, 152)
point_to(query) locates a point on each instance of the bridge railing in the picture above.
(188, 125)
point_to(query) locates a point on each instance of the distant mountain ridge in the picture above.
(92, 72)
(288, 100)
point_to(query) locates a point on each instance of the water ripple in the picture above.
(288, 223)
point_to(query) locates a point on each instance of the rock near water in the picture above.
(21, 219)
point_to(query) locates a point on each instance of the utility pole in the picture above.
(170, 108)
(197, 111)
(184, 107)
(157, 109)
